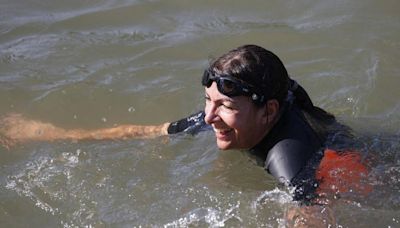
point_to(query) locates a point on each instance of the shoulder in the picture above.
(286, 158)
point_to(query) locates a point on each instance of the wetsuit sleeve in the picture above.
(286, 159)
(192, 124)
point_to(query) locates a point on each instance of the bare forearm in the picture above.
(120, 132)
(17, 129)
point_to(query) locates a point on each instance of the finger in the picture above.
(6, 143)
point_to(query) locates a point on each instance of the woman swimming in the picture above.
(250, 103)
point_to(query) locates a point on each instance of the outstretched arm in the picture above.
(15, 128)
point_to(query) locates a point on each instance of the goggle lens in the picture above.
(230, 86)
(227, 86)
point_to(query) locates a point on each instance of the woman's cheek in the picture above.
(229, 118)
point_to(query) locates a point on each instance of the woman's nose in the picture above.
(211, 114)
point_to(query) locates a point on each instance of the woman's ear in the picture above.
(271, 111)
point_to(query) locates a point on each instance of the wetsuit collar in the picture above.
(269, 139)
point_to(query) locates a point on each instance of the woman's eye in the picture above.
(228, 106)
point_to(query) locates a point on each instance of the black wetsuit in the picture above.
(285, 152)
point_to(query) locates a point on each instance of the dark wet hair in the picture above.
(264, 70)
(256, 66)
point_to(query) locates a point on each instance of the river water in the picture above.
(92, 64)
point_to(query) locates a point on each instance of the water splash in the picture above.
(30, 182)
(276, 195)
(212, 217)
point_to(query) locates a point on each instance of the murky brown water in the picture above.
(94, 64)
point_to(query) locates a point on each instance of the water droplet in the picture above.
(131, 109)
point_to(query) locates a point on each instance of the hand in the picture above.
(6, 142)
(310, 216)
(9, 126)
(14, 128)
(7, 130)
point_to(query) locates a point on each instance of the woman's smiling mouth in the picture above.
(222, 134)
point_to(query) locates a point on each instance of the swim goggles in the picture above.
(231, 86)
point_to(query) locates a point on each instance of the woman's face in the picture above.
(237, 122)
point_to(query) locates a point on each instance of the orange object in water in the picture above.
(342, 172)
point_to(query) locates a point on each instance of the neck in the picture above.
(271, 124)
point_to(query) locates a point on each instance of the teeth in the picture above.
(221, 130)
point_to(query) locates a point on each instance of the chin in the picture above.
(223, 148)
(223, 145)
